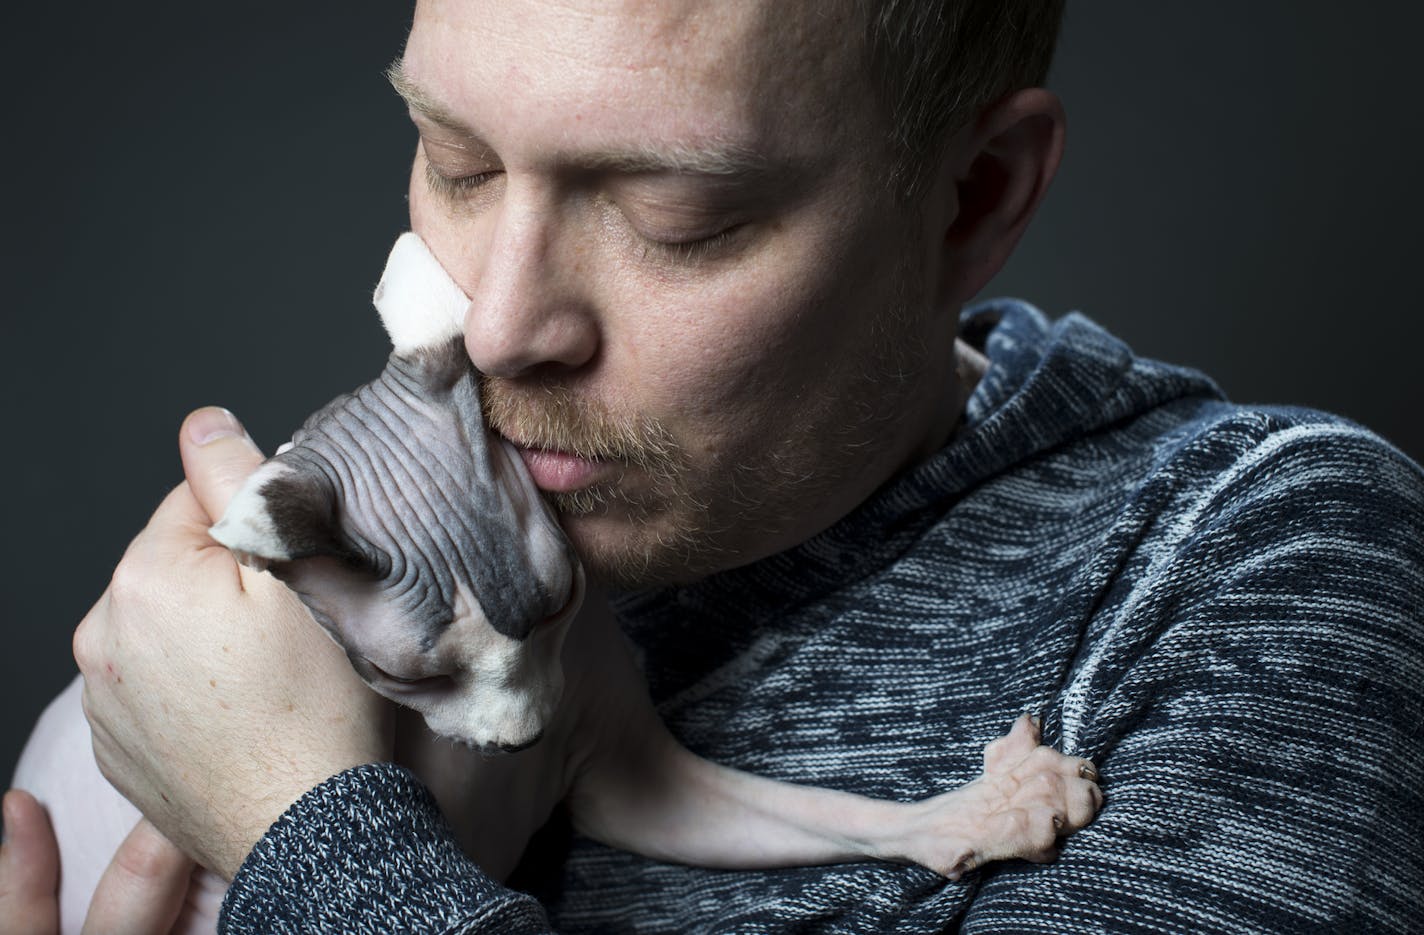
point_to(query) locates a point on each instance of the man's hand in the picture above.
(214, 699)
(142, 891)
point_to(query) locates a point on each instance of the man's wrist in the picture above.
(269, 808)
(372, 828)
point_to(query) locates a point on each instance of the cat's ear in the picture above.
(282, 513)
(420, 306)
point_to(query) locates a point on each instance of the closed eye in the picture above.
(392, 676)
(401, 684)
(452, 188)
(685, 252)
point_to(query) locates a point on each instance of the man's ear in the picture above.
(280, 514)
(990, 181)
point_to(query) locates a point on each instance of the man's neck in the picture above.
(969, 367)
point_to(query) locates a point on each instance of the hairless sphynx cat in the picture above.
(419, 542)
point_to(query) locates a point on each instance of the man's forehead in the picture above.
(647, 33)
(728, 71)
(709, 157)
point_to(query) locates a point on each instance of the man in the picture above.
(716, 257)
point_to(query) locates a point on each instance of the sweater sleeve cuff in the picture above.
(368, 851)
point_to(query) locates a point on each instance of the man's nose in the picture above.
(529, 309)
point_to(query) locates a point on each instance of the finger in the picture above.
(29, 869)
(144, 886)
(217, 457)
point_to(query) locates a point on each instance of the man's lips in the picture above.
(561, 472)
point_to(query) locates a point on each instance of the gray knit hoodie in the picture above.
(1223, 607)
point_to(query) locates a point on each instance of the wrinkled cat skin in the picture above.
(416, 538)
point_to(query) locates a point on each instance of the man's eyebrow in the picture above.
(713, 158)
(716, 158)
(418, 100)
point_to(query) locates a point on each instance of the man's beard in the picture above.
(550, 416)
(681, 521)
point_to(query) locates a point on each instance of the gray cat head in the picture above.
(417, 538)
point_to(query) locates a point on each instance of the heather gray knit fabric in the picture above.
(1223, 607)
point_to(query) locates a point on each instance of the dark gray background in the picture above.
(197, 208)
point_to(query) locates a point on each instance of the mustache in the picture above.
(553, 417)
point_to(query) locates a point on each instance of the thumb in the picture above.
(143, 888)
(217, 457)
(29, 869)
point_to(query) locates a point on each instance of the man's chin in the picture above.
(594, 501)
(633, 550)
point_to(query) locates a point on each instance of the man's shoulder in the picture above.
(1188, 510)
(1277, 517)
(1192, 473)
(1191, 458)
(1214, 453)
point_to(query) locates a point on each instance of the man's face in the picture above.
(699, 311)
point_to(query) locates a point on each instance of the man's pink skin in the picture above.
(246, 703)
(583, 145)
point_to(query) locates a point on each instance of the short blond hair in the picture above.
(937, 63)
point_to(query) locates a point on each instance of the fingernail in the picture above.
(210, 424)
